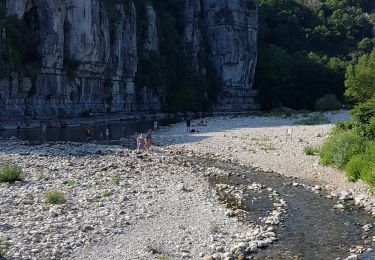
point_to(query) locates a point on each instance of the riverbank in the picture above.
(121, 204)
(145, 205)
(265, 144)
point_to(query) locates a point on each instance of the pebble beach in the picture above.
(124, 204)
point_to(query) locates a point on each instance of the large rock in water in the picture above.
(89, 56)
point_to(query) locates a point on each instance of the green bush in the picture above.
(54, 197)
(364, 119)
(314, 119)
(10, 173)
(327, 103)
(368, 174)
(340, 148)
(362, 166)
(354, 167)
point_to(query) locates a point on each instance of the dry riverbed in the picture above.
(121, 204)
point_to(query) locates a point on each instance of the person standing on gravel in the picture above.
(44, 130)
(139, 142)
(148, 140)
(155, 125)
(188, 123)
(107, 133)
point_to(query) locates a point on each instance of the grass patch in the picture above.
(3, 247)
(71, 183)
(54, 197)
(10, 172)
(214, 228)
(163, 257)
(116, 179)
(313, 119)
(106, 194)
(311, 150)
(153, 248)
(267, 147)
(41, 176)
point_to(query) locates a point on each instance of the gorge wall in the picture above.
(88, 54)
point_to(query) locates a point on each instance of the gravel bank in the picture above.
(263, 144)
(121, 204)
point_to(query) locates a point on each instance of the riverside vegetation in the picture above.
(351, 145)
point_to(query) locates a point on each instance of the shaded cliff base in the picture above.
(7, 123)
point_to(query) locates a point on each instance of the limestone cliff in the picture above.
(89, 55)
(230, 29)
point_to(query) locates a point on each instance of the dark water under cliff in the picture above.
(117, 131)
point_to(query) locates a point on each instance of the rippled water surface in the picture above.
(311, 228)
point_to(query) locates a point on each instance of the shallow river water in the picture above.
(311, 228)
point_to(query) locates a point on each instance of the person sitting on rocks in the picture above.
(202, 122)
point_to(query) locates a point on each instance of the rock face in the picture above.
(230, 31)
(89, 56)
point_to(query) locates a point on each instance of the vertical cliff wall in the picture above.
(230, 33)
(88, 55)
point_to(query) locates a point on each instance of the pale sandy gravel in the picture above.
(242, 139)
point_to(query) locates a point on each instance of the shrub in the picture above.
(364, 119)
(10, 173)
(41, 176)
(54, 197)
(3, 247)
(327, 103)
(310, 150)
(314, 119)
(368, 174)
(106, 194)
(354, 167)
(71, 183)
(340, 148)
(215, 228)
(363, 165)
(116, 179)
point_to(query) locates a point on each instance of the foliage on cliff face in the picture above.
(168, 71)
(305, 47)
(17, 48)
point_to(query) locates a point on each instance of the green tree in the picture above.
(360, 78)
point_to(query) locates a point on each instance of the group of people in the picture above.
(90, 132)
(202, 122)
(144, 142)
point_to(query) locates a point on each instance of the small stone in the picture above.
(339, 206)
(345, 195)
(317, 187)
